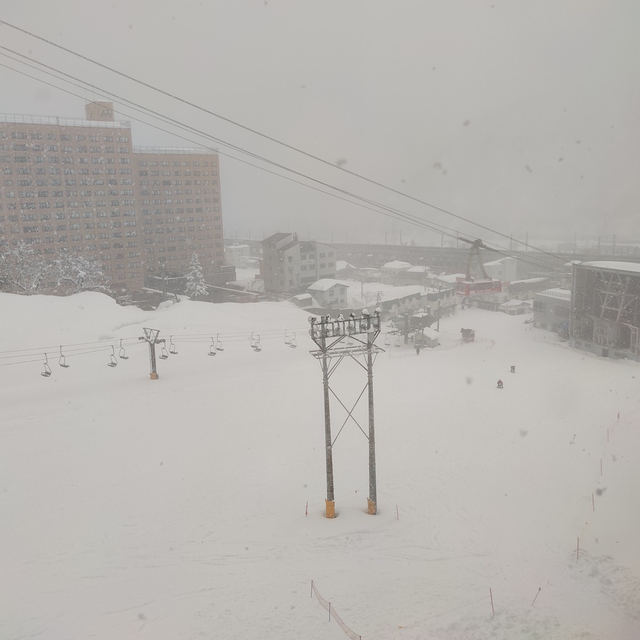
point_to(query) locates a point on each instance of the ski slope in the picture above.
(177, 508)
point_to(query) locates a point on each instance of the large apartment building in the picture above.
(80, 185)
(179, 205)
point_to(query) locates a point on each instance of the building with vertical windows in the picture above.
(290, 266)
(179, 205)
(605, 308)
(80, 185)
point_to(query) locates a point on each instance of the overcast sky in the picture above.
(522, 116)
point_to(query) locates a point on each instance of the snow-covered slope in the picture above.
(175, 508)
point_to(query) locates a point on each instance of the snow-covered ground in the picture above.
(175, 508)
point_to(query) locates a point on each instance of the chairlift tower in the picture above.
(330, 334)
(151, 336)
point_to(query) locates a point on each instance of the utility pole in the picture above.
(372, 500)
(329, 335)
(330, 502)
(151, 336)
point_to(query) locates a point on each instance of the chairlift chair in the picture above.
(112, 358)
(219, 346)
(164, 354)
(293, 343)
(47, 369)
(122, 354)
(287, 339)
(172, 347)
(212, 348)
(256, 344)
(387, 339)
(63, 361)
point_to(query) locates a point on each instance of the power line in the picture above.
(391, 212)
(267, 137)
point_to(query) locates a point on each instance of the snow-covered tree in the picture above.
(22, 270)
(195, 279)
(75, 273)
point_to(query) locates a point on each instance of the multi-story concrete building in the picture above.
(552, 310)
(80, 185)
(179, 203)
(290, 265)
(605, 308)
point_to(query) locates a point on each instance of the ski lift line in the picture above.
(55, 347)
(394, 213)
(249, 129)
(67, 356)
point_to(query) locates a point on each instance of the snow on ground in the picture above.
(176, 508)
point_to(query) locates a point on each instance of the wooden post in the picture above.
(491, 596)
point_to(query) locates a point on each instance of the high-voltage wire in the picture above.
(270, 138)
(391, 212)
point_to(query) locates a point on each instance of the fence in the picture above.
(332, 612)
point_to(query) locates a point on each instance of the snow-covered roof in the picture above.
(631, 267)
(451, 278)
(529, 281)
(563, 294)
(419, 269)
(430, 333)
(514, 303)
(237, 246)
(501, 261)
(325, 284)
(343, 264)
(397, 264)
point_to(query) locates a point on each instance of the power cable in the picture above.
(267, 137)
(394, 213)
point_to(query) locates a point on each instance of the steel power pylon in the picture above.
(329, 334)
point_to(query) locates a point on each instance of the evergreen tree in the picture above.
(195, 279)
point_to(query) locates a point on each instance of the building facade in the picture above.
(605, 309)
(81, 186)
(179, 208)
(329, 293)
(290, 265)
(552, 310)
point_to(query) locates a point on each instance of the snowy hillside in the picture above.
(176, 508)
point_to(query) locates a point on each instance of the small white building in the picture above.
(236, 255)
(329, 293)
(395, 267)
(427, 337)
(504, 269)
(515, 307)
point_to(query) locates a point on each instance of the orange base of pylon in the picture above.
(372, 508)
(331, 509)
(154, 375)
